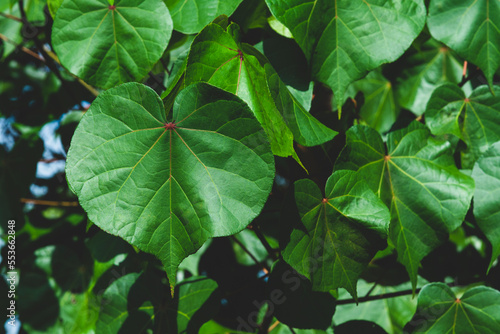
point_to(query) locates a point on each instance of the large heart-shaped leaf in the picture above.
(425, 70)
(471, 28)
(217, 57)
(343, 40)
(476, 119)
(340, 232)
(417, 179)
(190, 16)
(439, 310)
(166, 187)
(486, 174)
(107, 45)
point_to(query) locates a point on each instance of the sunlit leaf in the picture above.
(471, 28)
(108, 45)
(166, 187)
(441, 311)
(417, 178)
(343, 40)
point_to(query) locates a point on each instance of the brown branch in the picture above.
(47, 161)
(272, 252)
(22, 48)
(273, 326)
(257, 262)
(48, 203)
(12, 17)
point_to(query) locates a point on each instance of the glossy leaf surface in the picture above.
(241, 70)
(190, 16)
(428, 197)
(486, 174)
(440, 311)
(340, 233)
(343, 40)
(167, 187)
(471, 28)
(109, 45)
(476, 119)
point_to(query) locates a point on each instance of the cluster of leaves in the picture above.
(252, 166)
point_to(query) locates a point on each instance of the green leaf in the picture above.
(425, 70)
(343, 40)
(54, 6)
(470, 28)
(213, 327)
(289, 61)
(167, 188)
(106, 45)
(253, 244)
(440, 311)
(198, 302)
(127, 307)
(379, 110)
(306, 129)
(190, 16)
(34, 287)
(10, 29)
(418, 180)
(476, 119)
(486, 174)
(340, 233)
(217, 58)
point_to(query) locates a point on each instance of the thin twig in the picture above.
(49, 61)
(157, 81)
(22, 48)
(371, 290)
(262, 238)
(257, 262)
(47, 161)
(273, 326)
(12, 17)
(91, 89)
(48, 203)
(378, 297)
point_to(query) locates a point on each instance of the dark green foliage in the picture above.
(250, 166)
